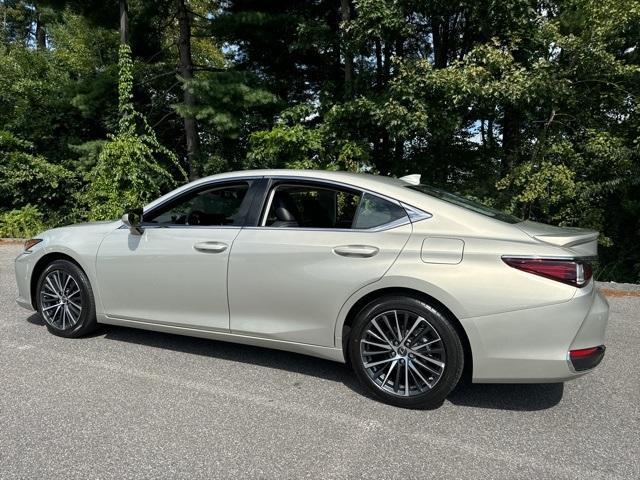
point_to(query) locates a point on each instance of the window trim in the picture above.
(252, 183)
(302, 181)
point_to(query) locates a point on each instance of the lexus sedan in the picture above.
(407, 283)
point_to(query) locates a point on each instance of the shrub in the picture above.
(21, 223)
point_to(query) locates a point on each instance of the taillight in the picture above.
(574, 272)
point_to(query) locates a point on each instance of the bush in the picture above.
(21, 223)
(30, 179)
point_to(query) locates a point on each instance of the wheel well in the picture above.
(39, 268)
(408, 292)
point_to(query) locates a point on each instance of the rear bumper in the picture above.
(533, 345)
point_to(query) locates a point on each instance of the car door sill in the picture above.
(328, 353)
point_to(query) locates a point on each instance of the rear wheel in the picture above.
(65, 300)
(406, 352)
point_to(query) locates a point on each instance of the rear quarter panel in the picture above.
(481, 283)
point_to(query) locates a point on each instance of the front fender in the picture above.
(80, 244)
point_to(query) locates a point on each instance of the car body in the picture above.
(260, 277)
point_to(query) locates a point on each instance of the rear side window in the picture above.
(310, 206)
(305, 206)
(376, 211)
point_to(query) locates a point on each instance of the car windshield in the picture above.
(465, 203)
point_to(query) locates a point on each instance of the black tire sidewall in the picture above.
(451, 341)
(87, 320)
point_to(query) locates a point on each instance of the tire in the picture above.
(432, 362)
(69, 314)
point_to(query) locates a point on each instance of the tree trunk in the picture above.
(510, 137)
(124, 22)
(440, 33)
(379, 67)
(345, 10)
(387, 61)
(186, 72)
(41, 34)
(490, 139)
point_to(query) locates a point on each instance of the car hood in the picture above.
(92, 224)
(581, 240)
(102, 227)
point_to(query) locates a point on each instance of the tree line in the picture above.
(529, 106)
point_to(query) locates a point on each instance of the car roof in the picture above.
(363, 180)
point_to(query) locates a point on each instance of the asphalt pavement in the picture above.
(134, 404)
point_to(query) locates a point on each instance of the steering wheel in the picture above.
(195, 218)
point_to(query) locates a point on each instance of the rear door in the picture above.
(316, 244)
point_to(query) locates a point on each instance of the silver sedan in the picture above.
(411, 285)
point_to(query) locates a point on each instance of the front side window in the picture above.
(309, 206)
(209, 207)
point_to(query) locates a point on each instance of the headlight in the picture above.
(32, 242)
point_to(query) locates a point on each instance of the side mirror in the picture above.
(132, 220)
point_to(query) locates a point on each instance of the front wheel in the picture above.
(65, 300)
(406, 352)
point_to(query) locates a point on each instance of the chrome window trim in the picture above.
(415, 214)
(387, 226)
(265, 213)
(146, 226)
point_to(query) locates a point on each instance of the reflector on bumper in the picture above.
(586, 358)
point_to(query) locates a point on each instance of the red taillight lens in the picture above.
(584, 352)
(586, 358)
(572, 272)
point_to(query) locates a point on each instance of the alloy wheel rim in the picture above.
(60, 300)
(402, 353)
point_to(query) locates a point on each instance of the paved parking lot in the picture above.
(133, 404)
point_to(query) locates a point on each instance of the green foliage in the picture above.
(24, 222)
(128, 173)
(226, 99)
(31, 179)
(296, 141)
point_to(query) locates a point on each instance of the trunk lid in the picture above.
(582, 241)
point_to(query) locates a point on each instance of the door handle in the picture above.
(361, 251)
(210, 247)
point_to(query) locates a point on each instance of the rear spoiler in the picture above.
(582, 243)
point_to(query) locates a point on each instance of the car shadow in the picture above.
(519, 397)
(36, 319)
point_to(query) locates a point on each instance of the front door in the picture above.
(175, 272)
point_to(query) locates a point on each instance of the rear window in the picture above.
(465, 203)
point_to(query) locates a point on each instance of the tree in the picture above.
(186, 71)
